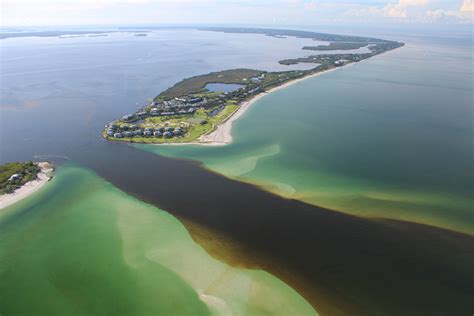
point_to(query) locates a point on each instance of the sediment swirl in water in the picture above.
(80, 246)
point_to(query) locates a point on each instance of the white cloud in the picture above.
(281, 12)
(401, 9)
(80, 12)
(396, 11)
(467, 6)
(407, 3)
(464, 13)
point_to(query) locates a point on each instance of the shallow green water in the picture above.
(389, 137)
(86, 248)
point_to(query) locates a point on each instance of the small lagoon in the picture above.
(223, 87)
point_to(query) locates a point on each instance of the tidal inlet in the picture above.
(82, 240)
(170, 167)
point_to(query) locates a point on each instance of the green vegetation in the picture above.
(197, 125)
(190, 115)
(337, 46)
(197, 84)
(14, 175)
(187, 110)
(332, 59)
(83, 247)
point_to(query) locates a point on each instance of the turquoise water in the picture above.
(389, 137)
(74, 86)
(79, 246)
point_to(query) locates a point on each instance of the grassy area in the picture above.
(192, 123)
(188, 103)
(215, 109)
(197, 84)
(209, 111)
(330, 59)
(204, 120)
(27, 171)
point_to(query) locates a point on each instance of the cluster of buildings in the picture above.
(239, 94)
(254, 90)
(125, 131)
(189, 104)
(176, 106)
(179, 106)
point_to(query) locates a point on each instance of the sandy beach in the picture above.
(28, 188)
(222, 135)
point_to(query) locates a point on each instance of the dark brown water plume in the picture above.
(343, 265)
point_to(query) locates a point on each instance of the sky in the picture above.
(235, 12)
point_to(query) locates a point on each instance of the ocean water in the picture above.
(385, 138)
(56, 94)
(85, 247)
(389, 137)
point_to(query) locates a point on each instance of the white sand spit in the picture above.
(28, 188)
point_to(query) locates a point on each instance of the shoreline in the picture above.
(30, 187)
(222, 134)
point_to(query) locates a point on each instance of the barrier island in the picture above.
(195, 110)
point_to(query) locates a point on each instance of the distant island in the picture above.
(20, 179)
(66, 33)
(201, 109)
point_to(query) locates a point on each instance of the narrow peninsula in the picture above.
(201, 109)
